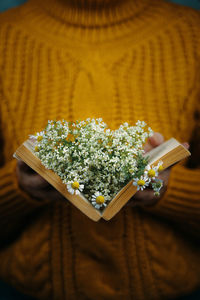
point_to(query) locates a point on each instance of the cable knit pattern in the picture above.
(123, 61)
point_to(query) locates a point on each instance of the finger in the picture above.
(141, 198)
(24, 167)
(147, 147)
(153, 141)
(186, 145)
(36, 181)
(147, 197)
(31, 181)
(156, 139)
(52, 195)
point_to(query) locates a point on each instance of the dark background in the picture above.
(5, 4)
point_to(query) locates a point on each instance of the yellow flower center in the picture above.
(160, 168)
(151, 173)
(141, 182)
(36, 148)
(100, 199)
(39, 138)
(75, 185)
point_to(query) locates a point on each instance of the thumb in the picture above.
(156, 139)
(153, 141)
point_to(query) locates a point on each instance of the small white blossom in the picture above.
(75, 188)
(141, 182)
(37, 136)
(99, 158)
(160, 166)
(98, 200)
(151, 172)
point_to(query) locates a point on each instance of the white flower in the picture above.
(98, 200)
(38, 136)
(151, 171)
(75, 188)
(160, 166)
(141, 182)
(90, 153)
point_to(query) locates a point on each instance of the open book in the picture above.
(169, 152)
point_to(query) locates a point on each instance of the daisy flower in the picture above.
(160, 166)
(151, 171)
(98, 200)
(38, 136)
(101, 159)
(75, 188)
(141, 182)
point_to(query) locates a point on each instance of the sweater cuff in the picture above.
(182, 197)
(13, 200)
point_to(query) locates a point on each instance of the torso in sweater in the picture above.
(143, 66)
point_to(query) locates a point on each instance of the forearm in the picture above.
(15, 204)
(181, 200)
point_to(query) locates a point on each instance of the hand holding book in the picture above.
(95, 168)
(147, 197)
(37, 187)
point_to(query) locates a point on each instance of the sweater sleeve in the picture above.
(13, 200)
(15, 205)
(181, 201)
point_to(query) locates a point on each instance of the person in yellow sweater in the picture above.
(122, 60)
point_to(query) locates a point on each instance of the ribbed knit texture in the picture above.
(123, 61)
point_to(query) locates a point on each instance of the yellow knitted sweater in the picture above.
(120, 60)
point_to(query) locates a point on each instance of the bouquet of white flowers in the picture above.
(95, 161)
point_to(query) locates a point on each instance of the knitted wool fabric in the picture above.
(122, 61)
